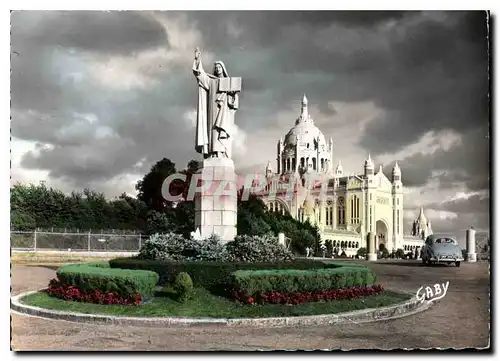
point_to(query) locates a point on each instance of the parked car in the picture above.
(440, 248)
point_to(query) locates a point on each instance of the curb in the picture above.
(406, 308)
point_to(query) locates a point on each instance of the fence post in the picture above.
(88, 246)
(140, 240)
(34, 239)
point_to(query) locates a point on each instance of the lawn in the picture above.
(205, 304)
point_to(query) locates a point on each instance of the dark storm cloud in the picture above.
(119, 32)
(467, 162)
(439, 81)
(474, 204)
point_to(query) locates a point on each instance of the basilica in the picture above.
(344, 207)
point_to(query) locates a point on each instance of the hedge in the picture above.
(294, 280)
(99, 276)
(346, 264)
(208, 274)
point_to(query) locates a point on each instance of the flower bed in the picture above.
(73, 293)
(96, 276)
(97, 283)
(297, 298)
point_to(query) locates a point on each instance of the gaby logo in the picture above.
(432, 293)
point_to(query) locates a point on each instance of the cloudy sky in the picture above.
(99, 97)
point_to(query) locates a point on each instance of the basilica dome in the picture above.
(304, 146)
(305, 133)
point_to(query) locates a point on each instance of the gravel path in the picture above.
(460, 319)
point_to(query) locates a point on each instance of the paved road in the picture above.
(461, 319)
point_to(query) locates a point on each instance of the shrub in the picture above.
(125, 283)
(210, 249)
(361, 252)
(400, 253)
(73, 293)
(254, 282)
(183, 285)
(209, 274)
(175, 247)
(163, 247)
(385, 253)
(303, 297)
(246, 248)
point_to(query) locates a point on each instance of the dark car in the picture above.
(439, 248)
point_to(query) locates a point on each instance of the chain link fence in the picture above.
(88, 242)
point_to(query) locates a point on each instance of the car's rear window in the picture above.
(445, 240)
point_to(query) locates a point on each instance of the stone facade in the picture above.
(345, 207)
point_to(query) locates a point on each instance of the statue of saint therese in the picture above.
(217, 104)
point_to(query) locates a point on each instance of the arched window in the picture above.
(314, 163)
(283, 167)
(322, 164)
(341, 211)
(294, 163)
(302, 160)
(288, 164)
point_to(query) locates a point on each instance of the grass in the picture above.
(205, 304)
(23, 258)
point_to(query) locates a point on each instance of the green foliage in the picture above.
(158, 222)
(400, 253)
(149, 188)
(37, 206)
(293, 280)
(246, 248)
(207, 274)
(22, 221)
(169, 246)
(183, 285)
(254, 219)
(385, 253)
(96, 276)
(184, 218)
(329, 247)
(361, 252)
(173, 246)
(210, 249)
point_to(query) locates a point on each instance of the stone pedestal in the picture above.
(281, 239)
(216, 199)
(470, 239)
(371, 250)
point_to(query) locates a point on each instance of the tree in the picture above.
(150, 186)
(361, 252)
(158, 223)
(22, 221)
(184, 218)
